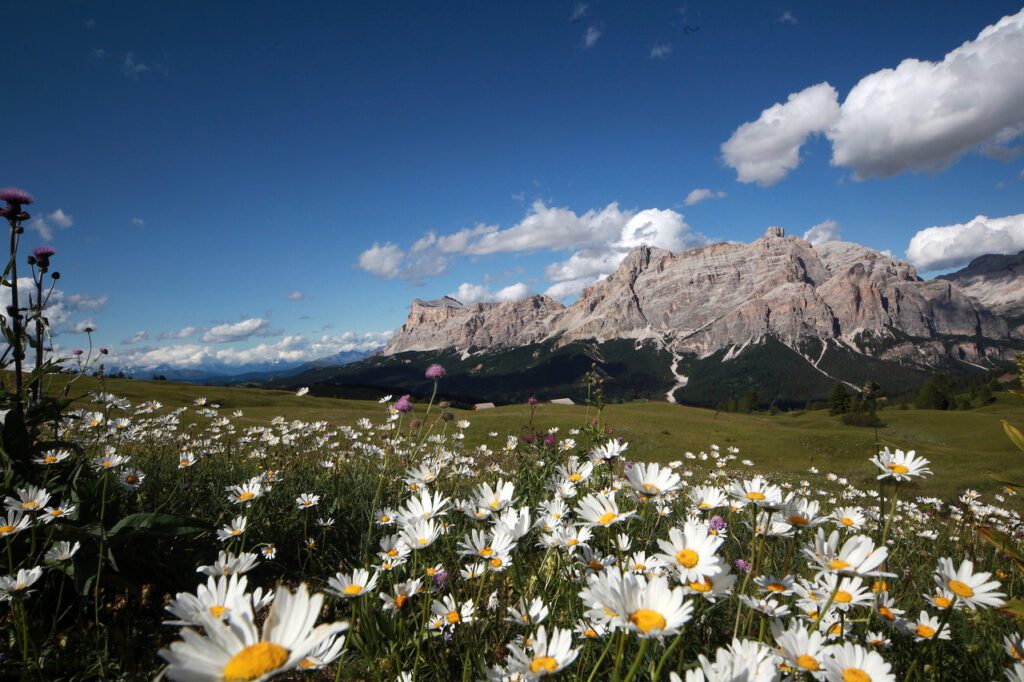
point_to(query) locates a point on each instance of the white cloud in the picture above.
(699, 195)
(471, 293)
(45, 226)
(570, 288)
(60, 306)
(587, 264)
(238, 331)
(579, 11)
(137, 337)
(591, 37)
(131, 67)
(138, 221)
(660, 51)
(826, 231)
(87, 325)
(788, 18)
(292, 348)
(919, 116)
(382, 260)
(296, 296)
(925, 115)
(766, 150)
(182, 333)
(950, 246)
(513, 292)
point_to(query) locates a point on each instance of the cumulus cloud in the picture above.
(766, 150)
(826, 231)
(182, 333)
(950, 246)
(382, 260)
(469, 294)
(921, 116)
(45, 225)
(137, 337)
(138, 222)
(660, 51)
(61, 307)
(591, 37)
(699, 195)
(238, 331)
(925, 115)
(296, 296)
(294, 348)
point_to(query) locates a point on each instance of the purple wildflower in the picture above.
(15, 196)
(528, 438)
(403, 404)
(717, 523)
(742, 565)
(532, 401)
(41, 252)
(549, 439)
(435, 372)
(441, 579)
(104, 351)
(77, 352)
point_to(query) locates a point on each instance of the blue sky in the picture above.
(200, 165)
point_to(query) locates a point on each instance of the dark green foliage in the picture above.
(838, 400)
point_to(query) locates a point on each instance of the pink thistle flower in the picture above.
(77, 352)
(41, 252)
(435, 372)
(532, 401)
(403, 404)
(15, 196)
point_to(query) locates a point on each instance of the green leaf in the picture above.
(1015, 435)
(154, 522)
(1015, 608)
(1008, 483)
(1004, 543)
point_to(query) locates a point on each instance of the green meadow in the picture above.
(965, 447)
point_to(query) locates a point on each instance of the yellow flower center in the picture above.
(595, 565)
(855, 675)
(688, 558)
(486, 552)
(942, 602)
(254, 661)
(797, 520)
(394, 552)
(385, 519)
(107, 464)
(307, 664)
(217, 610)
(703, 586)
(776, 587)
(960, 589)
(6, 529)
(572, 542)
(607, 518)
(755, 496)
(925, 631)
(879, 586)
(808, 662)
(838, 565)
(49, 459)
(646, 620)
(31, 504)
(431, 571)
(575, 478)
(590, 633)
(545, 663)
(495, 562)
(353, 589)
(704, 505)
(400, 600)
(898, 469)
(846, 521)
(843, 597)
(886, 613)
(247, 495)
(453, 617)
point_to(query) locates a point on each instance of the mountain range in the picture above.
(780, 315)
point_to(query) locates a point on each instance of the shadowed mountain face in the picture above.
(997, 282)
(779, 315)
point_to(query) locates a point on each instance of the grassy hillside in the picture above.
(964, 446)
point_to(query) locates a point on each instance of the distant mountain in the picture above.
(224, 374)
(779, 315)
(995, 281)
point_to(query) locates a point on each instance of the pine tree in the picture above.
(838, 401)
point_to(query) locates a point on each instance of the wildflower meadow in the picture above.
(187, 543)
